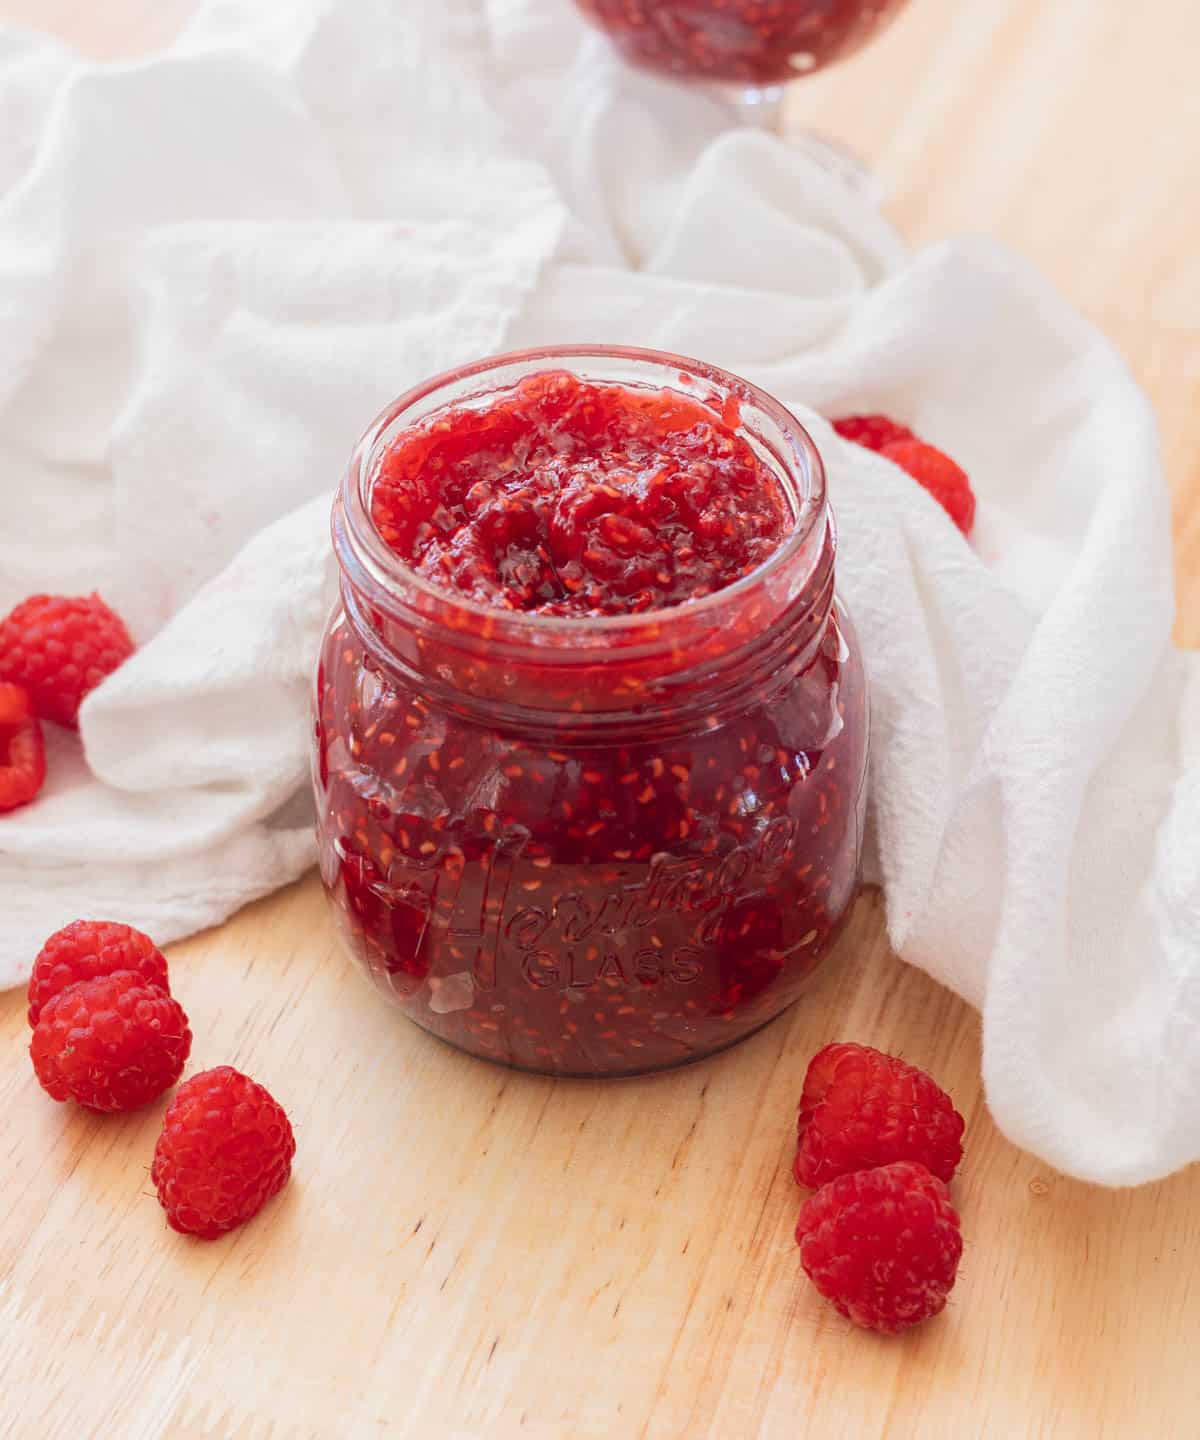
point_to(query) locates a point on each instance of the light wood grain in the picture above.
(469, 1252)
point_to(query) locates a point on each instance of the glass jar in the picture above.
(592, 846)
(751, 43)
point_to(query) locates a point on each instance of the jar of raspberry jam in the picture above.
(591, 724)
(756, 44)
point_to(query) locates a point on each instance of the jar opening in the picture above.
(704, 632)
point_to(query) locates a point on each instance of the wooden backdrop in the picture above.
(467, 1252)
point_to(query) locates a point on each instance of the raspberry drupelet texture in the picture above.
(112, 1043)
(873, 432)
(861, 1108)
(946, 481)
(934, 471)
(22, 750)
(59, 648)
(86, 949)
(882, 1245)
(226, 1148)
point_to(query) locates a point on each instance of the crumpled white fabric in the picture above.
(217, 264)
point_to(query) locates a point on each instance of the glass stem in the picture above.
(759, 107)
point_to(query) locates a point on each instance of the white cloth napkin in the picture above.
(216, 265)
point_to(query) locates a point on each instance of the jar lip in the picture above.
(378, 563)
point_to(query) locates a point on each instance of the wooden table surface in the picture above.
(468, 1252)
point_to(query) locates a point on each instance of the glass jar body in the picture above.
(749, 43)
(593, 846)
(587, 908)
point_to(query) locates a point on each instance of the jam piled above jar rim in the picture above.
(482, 653)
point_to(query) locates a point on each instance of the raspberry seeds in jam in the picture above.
(590, 727)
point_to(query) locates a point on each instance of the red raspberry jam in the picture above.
(586, 805)
(569, 498)
(748, 42)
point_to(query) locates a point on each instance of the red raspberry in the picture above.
(59, 648)
(22, 752)
(862, 1108)
(882, 1245)
(226, 1147)
(88, 948)
(937, 473)
(112, 1043)
(872, 431)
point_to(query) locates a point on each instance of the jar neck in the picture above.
(683, 676)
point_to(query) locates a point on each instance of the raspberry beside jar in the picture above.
(591, 845)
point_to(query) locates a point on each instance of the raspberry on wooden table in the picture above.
(88, 948)
(226, 1148)
(22, 752)
(873, 432)
(882, 1246)
(111, 1043)
(946, 481)
(861, 1108)
(59, 648)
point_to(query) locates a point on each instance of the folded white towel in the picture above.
(217, 264)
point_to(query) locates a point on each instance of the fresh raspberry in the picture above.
(112, 1043)
(88, 948)
(22, 752)
(226, 1147)
(59, 648)
(882, 1245)
(872, 431)
(862, 1108)
(937, 473)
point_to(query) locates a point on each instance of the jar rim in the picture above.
(386, 572)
